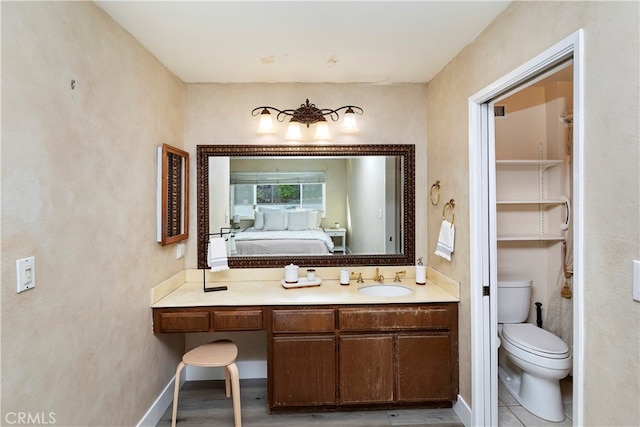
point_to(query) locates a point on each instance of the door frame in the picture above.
(483, 246)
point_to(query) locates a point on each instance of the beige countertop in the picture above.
(262, 288)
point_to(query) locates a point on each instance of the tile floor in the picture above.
(512, 414)
(204, 403)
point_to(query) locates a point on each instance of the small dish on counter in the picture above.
(301, 283)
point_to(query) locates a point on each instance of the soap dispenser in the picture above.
(421, 273)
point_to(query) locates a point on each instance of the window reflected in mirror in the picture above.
(289, 190)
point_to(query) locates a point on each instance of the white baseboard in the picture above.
(157, 409)
(463, 411)
(247, 369)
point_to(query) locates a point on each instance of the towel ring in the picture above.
(435, 186)
(451, 204)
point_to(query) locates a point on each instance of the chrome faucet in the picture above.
(378, 277)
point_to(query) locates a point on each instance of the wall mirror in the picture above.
(173, 195)
(368, 191)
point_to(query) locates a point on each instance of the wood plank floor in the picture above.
(204, 403)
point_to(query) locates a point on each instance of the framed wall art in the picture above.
(173, 195)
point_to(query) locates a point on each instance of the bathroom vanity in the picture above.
(332, 347)
(337, 356)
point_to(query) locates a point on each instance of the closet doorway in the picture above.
(526, 208)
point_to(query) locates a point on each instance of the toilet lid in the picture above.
(535, 340)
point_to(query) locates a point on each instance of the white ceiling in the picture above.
(304, 41)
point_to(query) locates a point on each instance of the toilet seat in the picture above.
(531, 339)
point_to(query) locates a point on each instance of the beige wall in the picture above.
(219, 114)
(611, 181)
(78, 193)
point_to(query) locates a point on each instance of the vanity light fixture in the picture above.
(308, 114)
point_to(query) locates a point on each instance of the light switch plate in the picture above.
(636, 280)
(26, 274)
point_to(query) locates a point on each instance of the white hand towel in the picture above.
(217, 254)
(446, 240)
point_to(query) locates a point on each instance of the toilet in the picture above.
(532, 361)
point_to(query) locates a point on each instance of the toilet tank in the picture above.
(514, 298)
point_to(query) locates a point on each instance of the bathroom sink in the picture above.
(385, 290)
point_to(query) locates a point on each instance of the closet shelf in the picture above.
(521, 178)
(529, 237)
(531, 202)
(543, 164)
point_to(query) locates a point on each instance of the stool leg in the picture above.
(176, 389)
(227, 382)
(235, 392)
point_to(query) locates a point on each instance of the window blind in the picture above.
(278, 177)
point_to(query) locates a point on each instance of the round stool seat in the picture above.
(221, 353)
(212, 355)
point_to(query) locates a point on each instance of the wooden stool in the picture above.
(213, 355)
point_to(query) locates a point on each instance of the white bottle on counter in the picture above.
(421, 272)
(344, 277)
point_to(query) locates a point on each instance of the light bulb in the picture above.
(266, 123)
(322, 130)
(294, 133)
(349, 122)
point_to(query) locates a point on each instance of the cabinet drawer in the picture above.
(187, 321)
(393, 318)
(237, 320)
(296, 321)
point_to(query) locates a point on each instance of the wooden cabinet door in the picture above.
(366, 369)
(424, 367)
(304, 371)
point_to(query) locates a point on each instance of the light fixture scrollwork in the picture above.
(308, 114)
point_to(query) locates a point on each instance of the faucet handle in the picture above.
(360, 279)
(398, 273)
